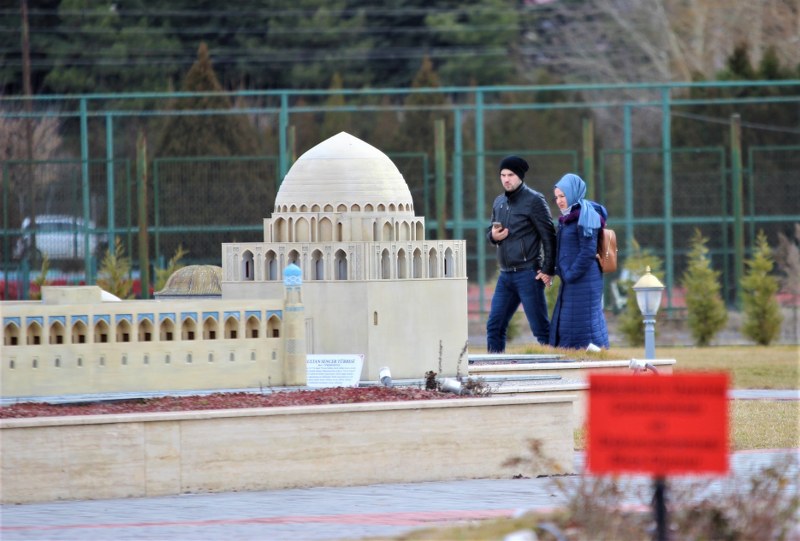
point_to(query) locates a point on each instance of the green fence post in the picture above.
(128, 208)
(480, 190)
(156, 207)
(141, 174)
(283, 127)
(736, 189)
(292, 147)
(87, 256)
(25, 279)
(458, 177)
(441, 177)
(588, 156)
(628, 177)
(666, 150)
(109, 180)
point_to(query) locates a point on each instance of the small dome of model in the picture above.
(292, 275)
(344, 169)
(193, 281)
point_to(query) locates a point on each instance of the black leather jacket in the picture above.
(531, 242)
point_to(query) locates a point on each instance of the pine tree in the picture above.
(384, 126)
(339, 121)
(707, 314)
(162, 275)
(114, 272)
(203, 134)
(630, 322)
(422, 108)
(762, 314)
(209, 190)
(41, 280)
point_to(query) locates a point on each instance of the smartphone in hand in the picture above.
(497, 225)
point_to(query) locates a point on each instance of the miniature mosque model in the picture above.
(344, 268)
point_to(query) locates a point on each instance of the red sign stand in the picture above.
(659, 425)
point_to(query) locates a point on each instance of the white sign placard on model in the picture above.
(334, 370)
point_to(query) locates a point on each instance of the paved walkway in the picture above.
(764, 394)
(317, 514)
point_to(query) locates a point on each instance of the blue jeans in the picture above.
(511, 289)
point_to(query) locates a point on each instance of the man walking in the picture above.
(523, 232)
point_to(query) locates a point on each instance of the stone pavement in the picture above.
(316, 514)
(764, 394)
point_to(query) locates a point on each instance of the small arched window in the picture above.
(145, 330)
(386, 265)
(210, 329)
(317, 265)
(251, 327)
(433, 264)
(11, 334)
(79, 332)
(341, 265)
(188, 329)
(101, 332)
(231, 328)
(166, 330)
(248, 269)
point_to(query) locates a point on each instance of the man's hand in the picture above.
(546, 278)
(498, 232)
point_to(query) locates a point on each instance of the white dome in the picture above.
(344, 169)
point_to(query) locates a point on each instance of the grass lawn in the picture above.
(750, 367)
(755, 424)
(765, 424)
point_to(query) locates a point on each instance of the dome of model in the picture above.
(193, 281)
(292, 275)
(344, 170)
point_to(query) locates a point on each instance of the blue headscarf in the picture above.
(574, 189)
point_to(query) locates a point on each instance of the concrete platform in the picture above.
(156, 454)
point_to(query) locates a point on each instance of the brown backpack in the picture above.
(607, 250)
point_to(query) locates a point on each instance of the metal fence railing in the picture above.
(638, 146)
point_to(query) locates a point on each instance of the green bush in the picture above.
(762, 314)
(115, 271)
(41, 280)
(162, 275)
(630, 321)
(706, 311)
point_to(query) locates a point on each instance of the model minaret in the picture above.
(294, 360)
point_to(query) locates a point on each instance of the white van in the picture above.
(59, 236)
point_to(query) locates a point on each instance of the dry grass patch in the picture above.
(765, 424)
(750, 367)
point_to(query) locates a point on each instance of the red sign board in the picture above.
(661, 424)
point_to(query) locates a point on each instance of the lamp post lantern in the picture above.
(648, 296)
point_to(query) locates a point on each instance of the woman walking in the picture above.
(578, 318)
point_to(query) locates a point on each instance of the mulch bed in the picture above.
(333, 395)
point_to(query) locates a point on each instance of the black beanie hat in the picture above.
(515, 164)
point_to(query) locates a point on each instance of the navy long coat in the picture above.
(578, 318)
